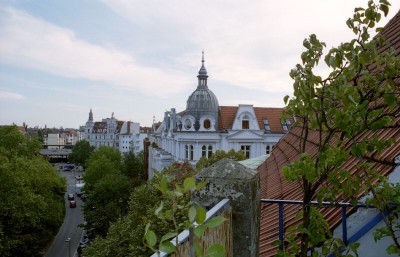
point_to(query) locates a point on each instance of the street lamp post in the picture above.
(69, 246)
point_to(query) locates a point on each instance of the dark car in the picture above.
(72, 204)
(84, 197)
(71, 197)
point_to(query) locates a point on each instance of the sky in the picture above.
(138, 59)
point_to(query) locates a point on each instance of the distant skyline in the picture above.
(137, 59)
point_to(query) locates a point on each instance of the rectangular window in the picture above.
(245, 124)
(268, 149)
(246, 150)
(191, 152)
(267, 128)
(186, 152)
(286, 125)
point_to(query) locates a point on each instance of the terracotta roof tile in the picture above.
(273, 185)
(227, 115)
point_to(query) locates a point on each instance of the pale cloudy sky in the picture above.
(138, 59)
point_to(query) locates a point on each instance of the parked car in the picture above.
(84, 197)
(71, 197)
(83, 243)
(72, 204)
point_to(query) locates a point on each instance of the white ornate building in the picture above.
(122, 135)
(205, 127)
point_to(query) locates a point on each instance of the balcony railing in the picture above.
(354, 238)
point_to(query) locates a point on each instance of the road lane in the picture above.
(69, 229)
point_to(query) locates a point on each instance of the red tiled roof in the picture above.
(273, 184)
(100, 127)
(227, 115)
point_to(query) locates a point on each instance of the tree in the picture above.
(109, 181)
(32, 193)
(13, 143)
(81, 152)
(107, 202)
(359, 95)
(218, 155)
(132, 165)
(125, 235)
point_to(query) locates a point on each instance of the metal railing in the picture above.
(361, 232)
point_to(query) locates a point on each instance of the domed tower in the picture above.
(202, 101)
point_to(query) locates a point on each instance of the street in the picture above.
(66, 242)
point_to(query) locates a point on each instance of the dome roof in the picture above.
(202, 101)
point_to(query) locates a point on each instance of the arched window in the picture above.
(203, 151)
(245, 122)
(209, 151)
(207, 124)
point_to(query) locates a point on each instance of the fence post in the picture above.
(281, 225)
(344, 226)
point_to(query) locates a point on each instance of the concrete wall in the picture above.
(229, 179)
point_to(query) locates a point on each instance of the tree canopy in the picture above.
(125, 235)
(218, 155)
(109, 181)
(32, 194)
(81, 152)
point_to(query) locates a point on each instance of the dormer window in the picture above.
(245, 122)
(267, 128)
(286, 125)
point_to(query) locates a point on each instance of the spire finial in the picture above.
(202, 56)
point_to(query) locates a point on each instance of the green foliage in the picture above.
(132, 165)
(387, 199)
(103, 161)
(179, 171)
(108, 189)
(107, 202)
(125, 236)
(178, 196)
(32, 193)
(350, 101)
(13, 143)
(81, 152)
(218, 155)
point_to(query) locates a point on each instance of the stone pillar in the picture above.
(229, 179)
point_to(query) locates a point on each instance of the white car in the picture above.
(71, 197)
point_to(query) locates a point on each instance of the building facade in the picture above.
(205, 127)
(124, 136)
